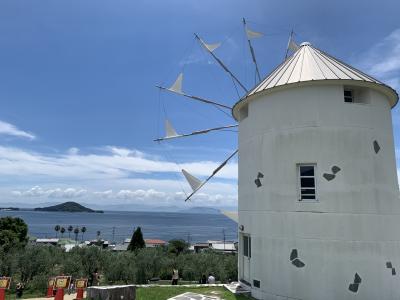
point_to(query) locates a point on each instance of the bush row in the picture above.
(33, 265)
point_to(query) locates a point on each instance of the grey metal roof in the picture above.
(311, 64)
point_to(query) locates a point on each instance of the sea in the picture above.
(115, 226)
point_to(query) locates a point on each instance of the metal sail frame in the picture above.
(194, 133)
(209, 48)
(253, 55)
(212, 175)
(196, 98)
(221, 63)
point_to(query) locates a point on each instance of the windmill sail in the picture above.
(233, 215)
(211, 176)
(250, 35)
(210, 49)
(193, 181)
(169, 130)
(253, 34)
(292, 46)
(177, 86)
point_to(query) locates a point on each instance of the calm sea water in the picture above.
(165, 226)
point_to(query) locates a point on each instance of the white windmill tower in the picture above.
(319, 207)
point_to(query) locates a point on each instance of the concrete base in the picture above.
(116, 292)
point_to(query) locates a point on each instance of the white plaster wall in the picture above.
(354, 226)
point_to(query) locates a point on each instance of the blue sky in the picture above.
(79, 109)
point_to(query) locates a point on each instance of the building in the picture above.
(223, 246)
(219, 246)
(99, 243)
(47, 241)
(150, 243)
(153, 243)
(318, 193)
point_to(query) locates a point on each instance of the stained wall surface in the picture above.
(346, 244)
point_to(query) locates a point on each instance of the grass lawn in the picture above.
(163, 293)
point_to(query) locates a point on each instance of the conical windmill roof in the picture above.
(309, 65)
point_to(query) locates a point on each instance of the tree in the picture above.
(137, 241)
(83, 230)
(70, 228)
(57, 229)
(76, 231)
(177, 246)
(62, 230)
(13, 232)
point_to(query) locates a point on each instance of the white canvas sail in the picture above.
(177, 86)
(193, 181)
(169, 130)
(233, 215)
(253, 34)
(210, 47)
(292, 45)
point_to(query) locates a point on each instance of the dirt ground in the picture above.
(66, 297)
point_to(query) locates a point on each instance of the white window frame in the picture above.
(314, 165)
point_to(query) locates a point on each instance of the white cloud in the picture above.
(116, 163)
(73, 151)
(111, 174)
(106, 194)
(382, 60)
(148, 197)
(12, 130)
(37, 191)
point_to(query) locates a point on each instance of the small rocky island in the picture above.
(68, 207)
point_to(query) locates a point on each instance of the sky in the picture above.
(79, 109)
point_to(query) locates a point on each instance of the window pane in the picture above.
(348, 96)
(306, 170)
(245, 245)
(308, 191)
(249, 246)
(307, 182)
(308, 197)
(347, 99)
(348, 93)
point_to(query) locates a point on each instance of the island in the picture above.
(68, 207)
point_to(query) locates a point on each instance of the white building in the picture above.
(318, 193)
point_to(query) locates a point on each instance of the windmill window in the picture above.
(348, 96)
(356, 95)
(306, 181)
(246, 246)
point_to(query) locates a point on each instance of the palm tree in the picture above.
(57, 229)
(83, 230)
(76, 231)
(70, 228)
(62, 230)
(98, 234)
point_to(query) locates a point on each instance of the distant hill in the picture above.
(201, 210)
(68, 207)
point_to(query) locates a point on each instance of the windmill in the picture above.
(318, 203)
(177, 88)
